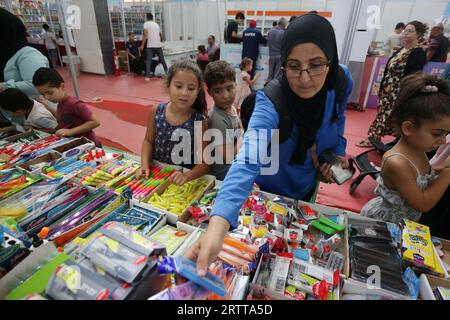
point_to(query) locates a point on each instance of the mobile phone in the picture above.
(340, 174)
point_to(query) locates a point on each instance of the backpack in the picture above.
(271, 90)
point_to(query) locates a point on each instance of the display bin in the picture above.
(30, 181)
(49, 157)
(355, 287)
(15, 138)
(155, 163)
(71, 234)
(328, 211)
(73, 144)
(261, 291)
(428, 282)
(163, 165)
(159, 225)
(186, 217)
(172, 218)
(70, 150)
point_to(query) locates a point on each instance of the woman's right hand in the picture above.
(143, 172)
(207, 248)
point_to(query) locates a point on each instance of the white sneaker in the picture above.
(147, 79)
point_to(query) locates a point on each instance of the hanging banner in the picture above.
(232, 53)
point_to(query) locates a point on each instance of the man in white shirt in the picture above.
(152, 34)
(36, 115)
(51, 44)
(392, 43)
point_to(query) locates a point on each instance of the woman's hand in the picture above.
(207, 248)
(142, 172)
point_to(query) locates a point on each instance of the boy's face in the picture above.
(53, 94)
(131, 37)
(223, 94)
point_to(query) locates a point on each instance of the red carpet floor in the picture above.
(123, 126)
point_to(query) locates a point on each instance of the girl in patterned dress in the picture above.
(174, 126)
(409, 59)
(244, 83)
(408, 185)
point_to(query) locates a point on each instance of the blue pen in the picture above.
(67, 166)
(64, 163)
(73, 167)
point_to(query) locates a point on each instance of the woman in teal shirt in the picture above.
(308, 86)
(18, 61)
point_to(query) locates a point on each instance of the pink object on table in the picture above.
(442, 154)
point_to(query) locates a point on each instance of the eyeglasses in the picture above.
(408, 31)
(294, 69)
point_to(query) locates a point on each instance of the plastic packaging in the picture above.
(73, 282)
(280, 274)
(188, 269)
(116, 259)
(129, 237)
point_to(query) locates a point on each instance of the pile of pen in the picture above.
(142, 187)
(66, 167)
(106, 174)
(27, 149)
(12, 181)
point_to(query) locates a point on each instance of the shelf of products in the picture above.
(135, 17)
(34, 13)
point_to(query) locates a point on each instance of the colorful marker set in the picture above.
(142, 188)
(66, 167)
(106, 174)
(176, 199)
(12, 181)
(92, 177)
(27, 149)
(27, 145)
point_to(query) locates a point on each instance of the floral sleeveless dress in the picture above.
(167, 146)
(389, 205)
(388, 95)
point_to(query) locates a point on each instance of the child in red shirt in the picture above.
(202, 54)
(74, 117)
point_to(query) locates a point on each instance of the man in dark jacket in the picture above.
(251, 39)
